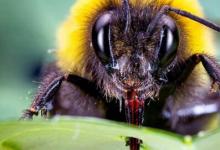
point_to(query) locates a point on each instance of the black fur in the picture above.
(104, 93)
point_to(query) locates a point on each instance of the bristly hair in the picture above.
(166, 9)
(127, 14)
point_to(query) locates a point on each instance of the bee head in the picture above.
(132, 55)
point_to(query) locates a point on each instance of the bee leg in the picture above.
(195, 116)
(205, 105)
(181, 71)
(213, 69)
(208, 105)
(46, 92)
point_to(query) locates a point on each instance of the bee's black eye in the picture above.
(169, 42)
(101, 40)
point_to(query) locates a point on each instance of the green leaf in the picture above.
(209, 141)
(90, 133)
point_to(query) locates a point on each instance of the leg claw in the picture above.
(215, 87)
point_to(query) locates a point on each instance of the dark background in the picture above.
(27, 33)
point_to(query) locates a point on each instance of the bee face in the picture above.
(134, 58)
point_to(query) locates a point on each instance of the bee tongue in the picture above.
(134, 108)
(134, 111)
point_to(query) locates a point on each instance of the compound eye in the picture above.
(101, 39)
(169, 42)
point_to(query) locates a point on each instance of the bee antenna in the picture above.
(126, 10)
(165, 9)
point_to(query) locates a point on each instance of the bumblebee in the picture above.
(145, 62)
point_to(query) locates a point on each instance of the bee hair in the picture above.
(126, 9)
(165, 9)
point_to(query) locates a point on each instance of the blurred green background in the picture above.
(27, 32)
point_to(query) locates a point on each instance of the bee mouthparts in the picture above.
(134, 111)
